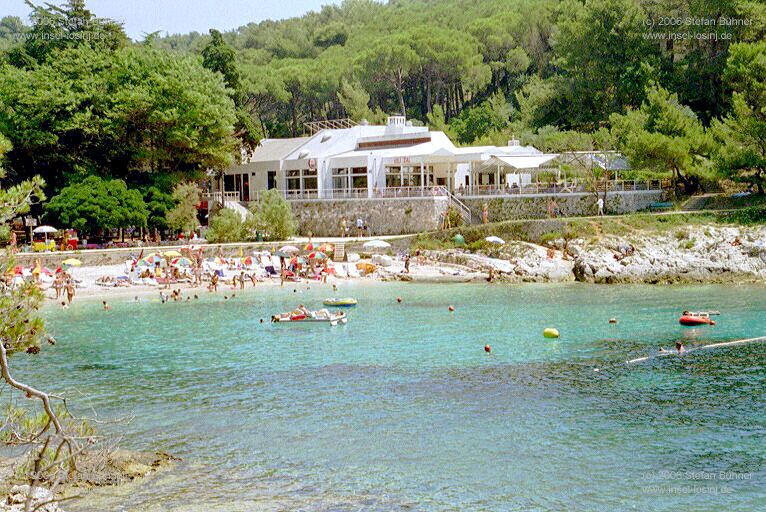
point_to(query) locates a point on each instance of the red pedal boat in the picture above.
(693, 319)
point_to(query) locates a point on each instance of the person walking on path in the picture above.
(600, 204)
(359, 227)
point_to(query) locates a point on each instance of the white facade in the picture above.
(394, 160)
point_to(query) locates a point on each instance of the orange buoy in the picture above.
(451, 308)
(612, 320)
(487, 349)
(398, 299)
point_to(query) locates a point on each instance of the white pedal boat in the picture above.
(322, 315)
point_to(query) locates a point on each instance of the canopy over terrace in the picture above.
(395, 171)
(501, 171)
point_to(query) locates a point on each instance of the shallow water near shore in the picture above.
(401, 409)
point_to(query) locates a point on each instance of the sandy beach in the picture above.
(428, 271)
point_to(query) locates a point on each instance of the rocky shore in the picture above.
(686, 255)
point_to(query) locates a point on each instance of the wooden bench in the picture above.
(660, 206)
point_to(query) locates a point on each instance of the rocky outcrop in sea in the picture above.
(692, 254)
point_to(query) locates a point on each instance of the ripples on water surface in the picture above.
(401, 409)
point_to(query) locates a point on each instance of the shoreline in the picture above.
(689, 255)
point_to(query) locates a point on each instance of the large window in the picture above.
(302, 182)
(294, 180)
(347, 181)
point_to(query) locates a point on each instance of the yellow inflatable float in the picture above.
(550, 332)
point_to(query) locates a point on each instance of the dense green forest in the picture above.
(653, 79)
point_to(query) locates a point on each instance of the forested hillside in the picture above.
(657, 80)
(564, 63)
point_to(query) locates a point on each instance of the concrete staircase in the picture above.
(460, 206)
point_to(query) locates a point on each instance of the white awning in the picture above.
(521, 162)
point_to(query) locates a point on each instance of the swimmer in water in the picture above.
(107, 307)
(680, 348)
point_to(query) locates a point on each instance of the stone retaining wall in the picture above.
(570, 205)
(390, 216)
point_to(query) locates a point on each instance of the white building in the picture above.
(366, 161)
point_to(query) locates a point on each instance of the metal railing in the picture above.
(221, 197)
(346, 193)
(394, 192)
(460, 206)
(559, 188)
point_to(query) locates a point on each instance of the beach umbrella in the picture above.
(495, 240)
(45, 230)
(150, 260)
(317, 255)
(18, 270)
(248, 260)
(376, 244)
(326, 248)
(289, 249)
(171, 254)
(309, 247)
(181, 262)
(47, 271)
(220, 261)
(72, 262)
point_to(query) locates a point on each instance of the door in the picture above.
(271, 180)
(245, 194)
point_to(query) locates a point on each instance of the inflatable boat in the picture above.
(346, 302)
(692, 319)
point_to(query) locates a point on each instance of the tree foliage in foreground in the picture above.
(96, 204)
(127, 112)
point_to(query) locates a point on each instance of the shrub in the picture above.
(454, 219)
(183, 215)
(272, 214)
(550, 236)
(226, 226)
(429, 244)
(751, 215)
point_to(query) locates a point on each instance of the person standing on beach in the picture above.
(57, 285)
(69, 291)
(242, 280)
(407, 263)
(214, 282)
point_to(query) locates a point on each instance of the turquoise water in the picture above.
(401, 409)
